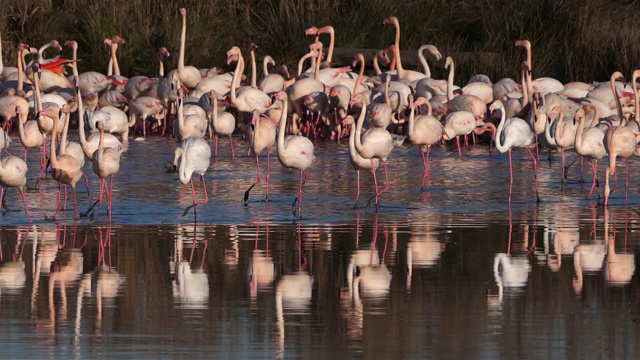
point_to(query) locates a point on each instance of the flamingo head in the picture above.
(386, 21)
(213, 95)
(71, 43)
(312, 31)
(18, 110)
(523, 43)
(117, 39)
(285, 70)
(281, 95)
(335, 91)
(107, 42)
(325, 30)
(448, 62)
(578, 115)
(617, 76)
(182, 11)
(233, 54)
(164, 52)
(22, 46)
(348, 120)
(356, 99)
(55, 44)
(100, 125)
(495, 105)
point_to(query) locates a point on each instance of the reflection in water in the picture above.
(342, 292)
(190, 286)
(619, 267)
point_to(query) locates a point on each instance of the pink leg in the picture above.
(375, 181)
(510, 176)
(268, 173)
(358, 191)
(215, 138)
(233, 153)
(59, 204)
(24, 200)
(459, 149)
(425, 161)
(535, 172)
(594, 168)
(75, 205)
(386, 179)
(564, 165)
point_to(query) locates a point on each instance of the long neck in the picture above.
(579, 131)
(616, 98)
(529, 57)
(283, 123)
(161, 66)
(214, 110)
(387, 82)
(560, 126)
(81, 134)
(1, 61)
(450, 82)
(316, 70)
(376, 67)
(356, 86)
(183, 39)
(525, 91)
(396, 51)
(358, 142)
(114, 58)
(529, 86)
(265, 65)
(20, 88)
(636, 95)
(499, 144)
(411, 121)
(74, 64)
(36, 89)
(54, 156)
(100, 144)
(423, 60)
(332, 41)
(236, 78)
(254, 71)
(181, 114)
(301, 62)
(63, 139)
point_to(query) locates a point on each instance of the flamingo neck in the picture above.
(376, 67)
(236, 78)
(183, 39)
(525, 90)
(74, 64)
(358, 142)
(20, 88)
(499, 131)
(283, 124)
(411, 121)
(616, 98)
(578, 142)
(450, 81)
(396, 51)
(254, 71)
(423, 60)
(81, 134)
(636, 96)
(356, 86)
(596, 116)
(332, 40)
(54, 156)
(265, 65)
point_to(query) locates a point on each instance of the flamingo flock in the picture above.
(323, 102)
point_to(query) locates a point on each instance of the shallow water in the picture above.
(452, 272)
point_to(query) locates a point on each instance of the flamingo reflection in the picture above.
(618, 267)
(190, 285)
(423, 250)
(588, 258)
(512, 270)
(12, 272)
(293, 294)
(261, 270)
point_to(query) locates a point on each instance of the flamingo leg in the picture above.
(268, 177)
(246, 193)
(425, 176)
(535, 172)
(510, 176)
(75, 205)
(459, 149)
(594, 184)
(215, 138)
(24, 200)
(233, 153)
(355, 206)
(59, 205)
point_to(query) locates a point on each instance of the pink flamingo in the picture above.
(195, 156)
(294, 151)
(261, 135)
(13, 173)
(106, 163)
(424, 131)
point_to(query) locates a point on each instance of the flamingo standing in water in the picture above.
(195, 156)
(106, 163)
(13, 173)
(424, 131)
(294, 151)
(189, 75)
(223, 123)
(65, 168)
(262, 136)
(514, 132)
(590, 142)
(375, 143)
(357, 161)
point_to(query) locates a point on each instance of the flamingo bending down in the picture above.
(195, 156)
(261, 135)
(106, 163)
(13, 173)
(294, 151)
(514, 132)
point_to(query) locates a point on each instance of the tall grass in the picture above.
(572, 39)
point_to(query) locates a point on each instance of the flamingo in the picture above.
(106, 163)
(589, 142)
(223, 123)
(143, 107)
(374, 143)
(294, 151)
(356, 160)
(250, 98)
(261, 135)
(514, 132)
(13, 173)
(30, 135)
(65, 169)
(191, 125)
(424, 131)
(459, 123)
(409, 75)
(195, 156)
(189, 75)
(565, 135)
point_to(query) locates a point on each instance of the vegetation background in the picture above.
(572, 39)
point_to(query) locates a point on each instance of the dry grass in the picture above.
(572, 40)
